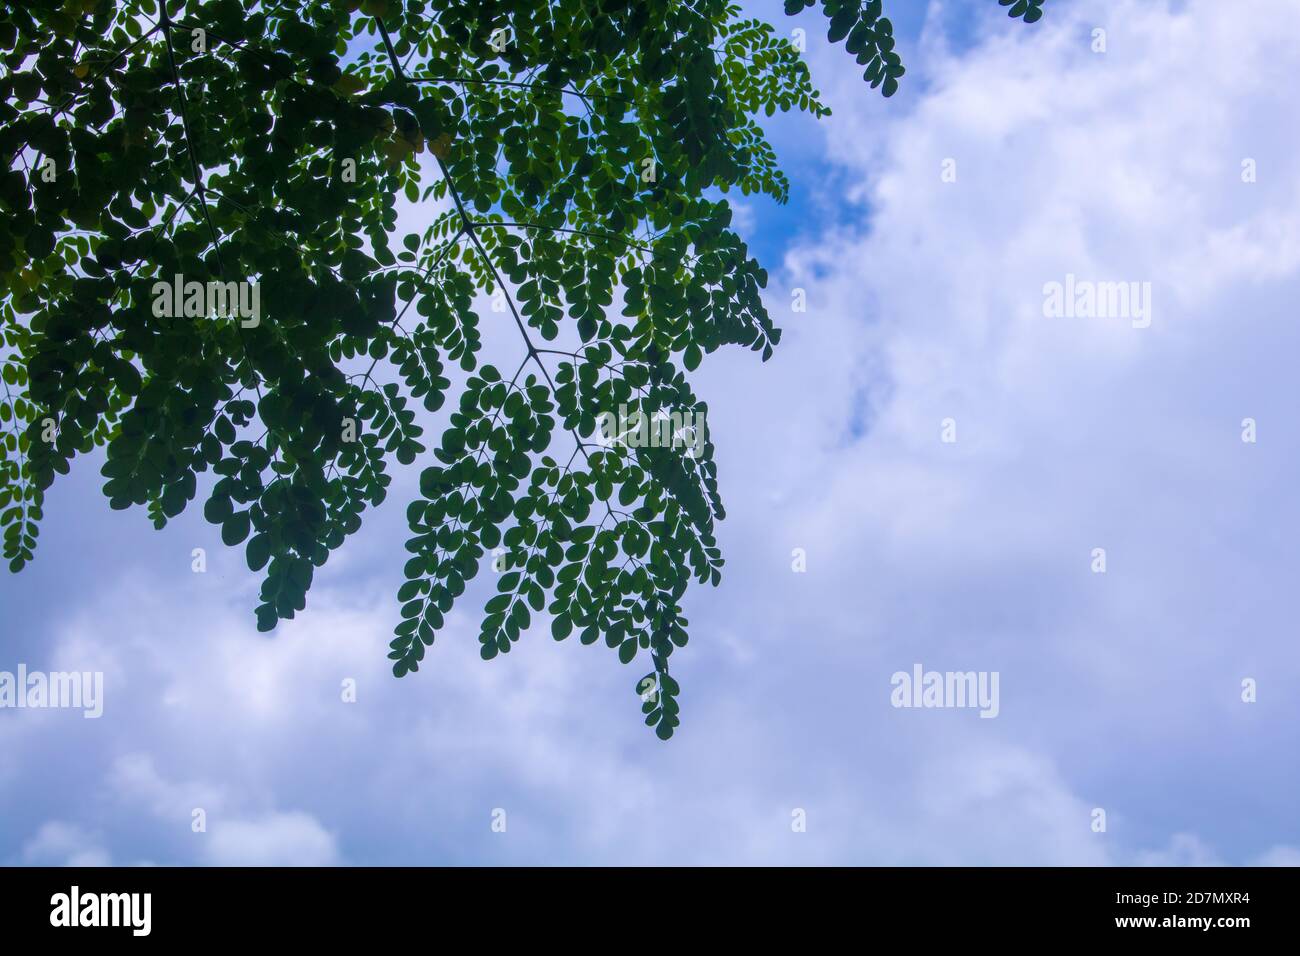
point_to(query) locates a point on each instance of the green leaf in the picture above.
(235, 528)
(258, 551)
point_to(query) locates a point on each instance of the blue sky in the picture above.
(1119, 691)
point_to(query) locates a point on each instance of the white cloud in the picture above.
(280, 839)
(1073, 434)
(58, 843)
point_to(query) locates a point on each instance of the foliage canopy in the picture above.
(575, 154)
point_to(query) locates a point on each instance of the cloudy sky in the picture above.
(922, 231)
